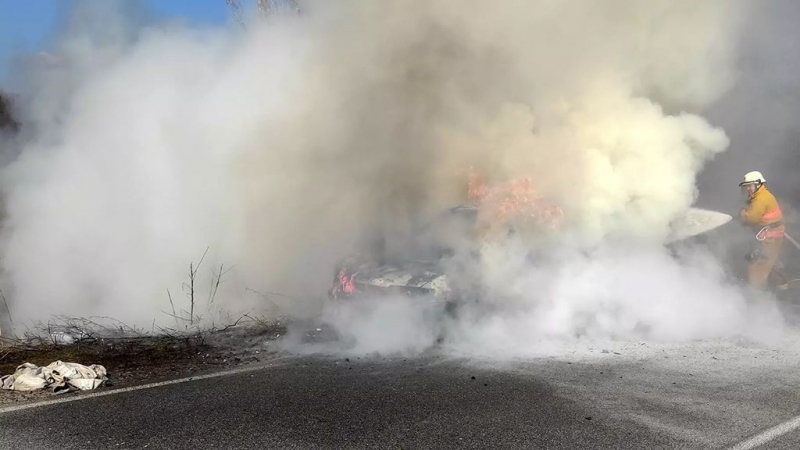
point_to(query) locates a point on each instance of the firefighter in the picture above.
(763, 215)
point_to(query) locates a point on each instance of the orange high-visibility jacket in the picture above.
(763, 210)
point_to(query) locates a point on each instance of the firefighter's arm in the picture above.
(752, 214)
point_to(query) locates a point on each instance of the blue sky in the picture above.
(27, 26)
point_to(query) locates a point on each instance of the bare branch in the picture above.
(5, 302)
(201, 259)
(212, 295)
(176, 317)
(191, 293)
(192, 273)
(277, 294)
(233, 324)
(173, 307)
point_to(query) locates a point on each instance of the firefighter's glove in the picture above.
(752, 256)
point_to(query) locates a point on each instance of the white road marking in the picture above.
(81, 396)
(768, 435)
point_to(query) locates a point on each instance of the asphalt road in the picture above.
(430, 402)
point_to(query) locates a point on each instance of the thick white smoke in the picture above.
(279, 147)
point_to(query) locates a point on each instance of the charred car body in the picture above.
(418, 273)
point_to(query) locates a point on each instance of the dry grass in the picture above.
(131, 353)
(133, 359)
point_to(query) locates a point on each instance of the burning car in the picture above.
(500, 208)
(422, 272)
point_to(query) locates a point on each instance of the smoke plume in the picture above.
(282, 146)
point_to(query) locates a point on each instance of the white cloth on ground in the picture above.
(58, 376)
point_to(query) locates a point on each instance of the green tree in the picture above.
(265, 8)
(7, 120)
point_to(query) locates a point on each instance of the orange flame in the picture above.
(346, 282)
(513, 200)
